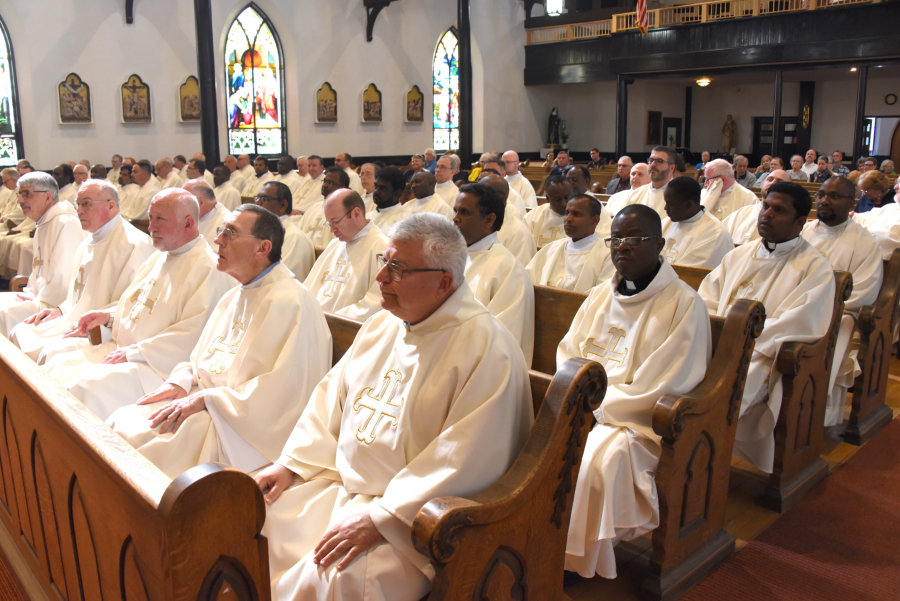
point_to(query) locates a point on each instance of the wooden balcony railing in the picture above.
(685, 14)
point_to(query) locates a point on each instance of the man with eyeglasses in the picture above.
(263, 176)
(156, 322)
(297, 253)
(848, 247)
(516, 180)
(514, 235)
(661, 168)
(580, 260)
(227, 195)
(340, 501)
(56, 238)
(722, 194)
(313, 223)
(651, 333)
(496, 278)
(444, 188)
(694, 238)
(212, 213)
(743, 224)
(425, 200)
(81, 173)
(236, 398)
(789, 277)
(287, 176)
(343, 278)
(105, 264)
(623, 181)
(546, 221)
(390, 185)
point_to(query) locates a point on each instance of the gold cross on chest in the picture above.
(226, 348)
(332, 281)
(79, 284)
(37, 262)
(141, 299)
(380, 405)
(670, 252)
(606, 353)
(553, 236)
(743, 289)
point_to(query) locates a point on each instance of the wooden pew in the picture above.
(93, 519)
(18, 283)
(554, 310)
(875, 325)
(141, 224)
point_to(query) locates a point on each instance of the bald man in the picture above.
(157, 321)
(722, 193)
(245, 166)
(518, 181)
(235, 177)
(640, 176)
(742, 224)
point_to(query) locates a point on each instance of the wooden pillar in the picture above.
(206, 75)
(688, 110)
(862, 82)
(777, 127)
(465, 83)
(805, 116)
(622, 115)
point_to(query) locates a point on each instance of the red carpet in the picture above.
(839, 543)
(9, 585)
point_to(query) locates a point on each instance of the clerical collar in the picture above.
(104, 230)
(66, 187)
(573, 247)
(210, 213)
(484, 244)
(223, 184)
(836, 230)
(257, 281)
(282, 218)
(446, 184)
(695, 218)
(424, 201)
(184, 248)
(768, 250)
(387, 209)
(629, 288)
(263, 174)
(515, 175)
(363, 232)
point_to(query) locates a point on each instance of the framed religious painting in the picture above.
(135, 101)
(189, 100)
(371, 104)
(654, 127)
(326, 104)
(74, 101)
(415, 105)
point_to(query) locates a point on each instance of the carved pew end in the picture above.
(860, 433)
(782, 498)
(694, 568)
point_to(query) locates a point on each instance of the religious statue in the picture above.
(553, 128)
(729, 135)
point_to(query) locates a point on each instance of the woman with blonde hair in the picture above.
(876, 191)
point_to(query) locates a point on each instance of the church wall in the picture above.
(651, 95)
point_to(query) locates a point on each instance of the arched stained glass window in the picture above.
(446, 92)
(10, 133)
(254, 77)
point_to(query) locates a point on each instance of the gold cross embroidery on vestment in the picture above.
(380, 405)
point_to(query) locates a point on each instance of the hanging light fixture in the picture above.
(853, 70)
(703, 82)
(553, 8)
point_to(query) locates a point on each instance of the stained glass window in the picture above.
(254, 79)
(446, 93)
(10, 134)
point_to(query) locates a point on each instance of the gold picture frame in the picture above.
(371, 104)
(135, 101)
(326, 104)
(189, 100)
(74, 98)
(415, 105)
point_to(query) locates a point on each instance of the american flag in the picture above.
(642, 18)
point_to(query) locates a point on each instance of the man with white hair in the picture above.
(106, 262)
(447, 166)
(742, 174)
(343, 278)
(343, 160)
(236, 398)
(722, 195)
(167, 174)
(82, 174)
(297, 252)
(156, 322)
(212, 213)
(796, 171)
(305, 179)
(113, 174)
(661, 168)
(367, 181)
(430, 159)
(350, 481)
(639, 176)
(883, 223)
(743, 223)
(517, 181)
(55, 242)
(234, 174)
(11, 214)
(622, 182)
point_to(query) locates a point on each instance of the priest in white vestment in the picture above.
(639, 176)
(425, 200)
(343, 278)
(495, 276)
(264, 349)
(651, 333)
(514, 235)
(305, 178)
(297, 252)
(245, 166)
(344, 160)
(313, 223)
(722, 195)
(65, 179)
(113, 174)
(212, 213)
(848, 247)
(579, 261)
(694, 238)
(156, 322)
(447, 166)
(580, 178)
(742, 225)
(287, 176)
(546, 221)
(234, 174)
(105, 262)
(795, 283)
(11, 214)
(312, 192)
(661, 167)
(517, 181)
(883, 223)
(263, 175)
(367, 181)
(168, 176)
(390, 185)
(55, 242)
(227, 195)
(128, 190)
(139, 204)
(431, 400)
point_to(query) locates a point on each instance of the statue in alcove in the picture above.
(729, 135)
(553, 128)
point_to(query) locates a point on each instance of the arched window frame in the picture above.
(14, 91)
(455, 125)
(282, 109)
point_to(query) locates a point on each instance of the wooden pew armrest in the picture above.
(18, 283)
(791, 355)
(886, 303)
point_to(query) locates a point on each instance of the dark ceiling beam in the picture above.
(373, 7)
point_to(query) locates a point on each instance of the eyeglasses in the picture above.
(396, 271)
(335, 224)
(659, 161)
(631, 241)
(831, 196)
(228, 234)
(27, 194)
(260, 198)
